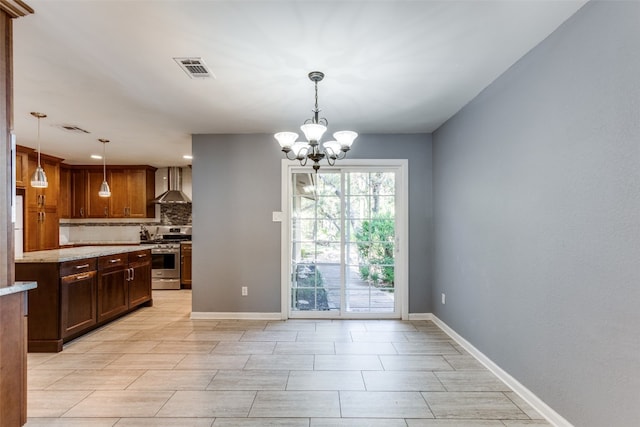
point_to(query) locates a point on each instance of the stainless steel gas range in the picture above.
(165, 254)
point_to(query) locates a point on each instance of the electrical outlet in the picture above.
(443, 298)
(245, 291)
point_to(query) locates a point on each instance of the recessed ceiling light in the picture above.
(187, 156)
(96, 156)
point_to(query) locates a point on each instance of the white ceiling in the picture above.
(391, 66)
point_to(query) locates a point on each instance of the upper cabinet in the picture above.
(41, 204)
(132, 192)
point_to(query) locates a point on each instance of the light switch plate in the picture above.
(277, 216)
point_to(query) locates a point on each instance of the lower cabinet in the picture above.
(113, 298)
(139, 278)
(74, 297)
(78, 302)
(124, 282)
(185, 265)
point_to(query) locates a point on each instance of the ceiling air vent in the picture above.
(75, 129)
(194, 67)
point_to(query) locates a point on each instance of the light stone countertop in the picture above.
(72, 254)
(17, 287)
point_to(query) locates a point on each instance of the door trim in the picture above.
(402, 231)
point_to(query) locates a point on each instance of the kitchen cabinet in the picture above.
(132, 190)
(41, 229)
(139, 277)
(78, 193)
(80, 289)
(78, 302)
(64, 205)
(41, 225)
(185, 265)
(124, 282)
(113, 296)
(21, 168)
(97, 207)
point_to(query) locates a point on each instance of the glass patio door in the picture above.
(343, 243)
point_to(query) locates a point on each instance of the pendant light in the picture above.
(105, 191)
(39, 178)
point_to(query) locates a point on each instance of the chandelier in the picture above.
(313, 130)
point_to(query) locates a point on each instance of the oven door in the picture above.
(165, 268)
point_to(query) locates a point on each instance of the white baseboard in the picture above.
(205, 315)
(420, 316)
(527, 395)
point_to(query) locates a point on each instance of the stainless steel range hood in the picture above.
(174, 194)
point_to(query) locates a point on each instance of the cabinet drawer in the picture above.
(112, 261)
(140, 256)
(79, 266)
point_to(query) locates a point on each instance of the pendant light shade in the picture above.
(104, 191)
(39, 178)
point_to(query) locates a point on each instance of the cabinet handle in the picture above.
(81, 212)
(114, 260)
(106, 211)
(84, 276)
(133, 273)
(142, 255)
(44, 199)
(78, 267)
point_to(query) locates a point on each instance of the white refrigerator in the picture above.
(18, 227)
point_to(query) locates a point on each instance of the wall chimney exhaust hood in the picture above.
(174, 194)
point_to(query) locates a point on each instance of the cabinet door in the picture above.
(49, 233)
(118, 202)
(185, 267)
(113, 296)
(140, 284)
(79, 186)
(137, 193)
(51, 193)
(97, 207)
(139, 277)
(78, 302)
(32, 223)
(22, 166)
(64, 205)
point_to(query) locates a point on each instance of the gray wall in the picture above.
(236, 187)
(537, 208)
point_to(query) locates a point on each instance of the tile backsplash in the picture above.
(175, 214)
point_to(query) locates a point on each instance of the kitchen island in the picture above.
(80, 289)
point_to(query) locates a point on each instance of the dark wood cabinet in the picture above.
(41, 225)
(78, 302)
(21, 168)
(185, 265)
(113, 295)
(132, 190)
(139, 277)
(124, 282)
(78, 193)
(74, 297)
(64, 204)
(97, 207)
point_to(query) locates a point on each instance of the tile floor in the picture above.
(156, 367)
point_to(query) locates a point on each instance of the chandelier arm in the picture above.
(286, 154)
(331, 161)
(303, 162)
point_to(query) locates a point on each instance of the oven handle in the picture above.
(165, 251)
